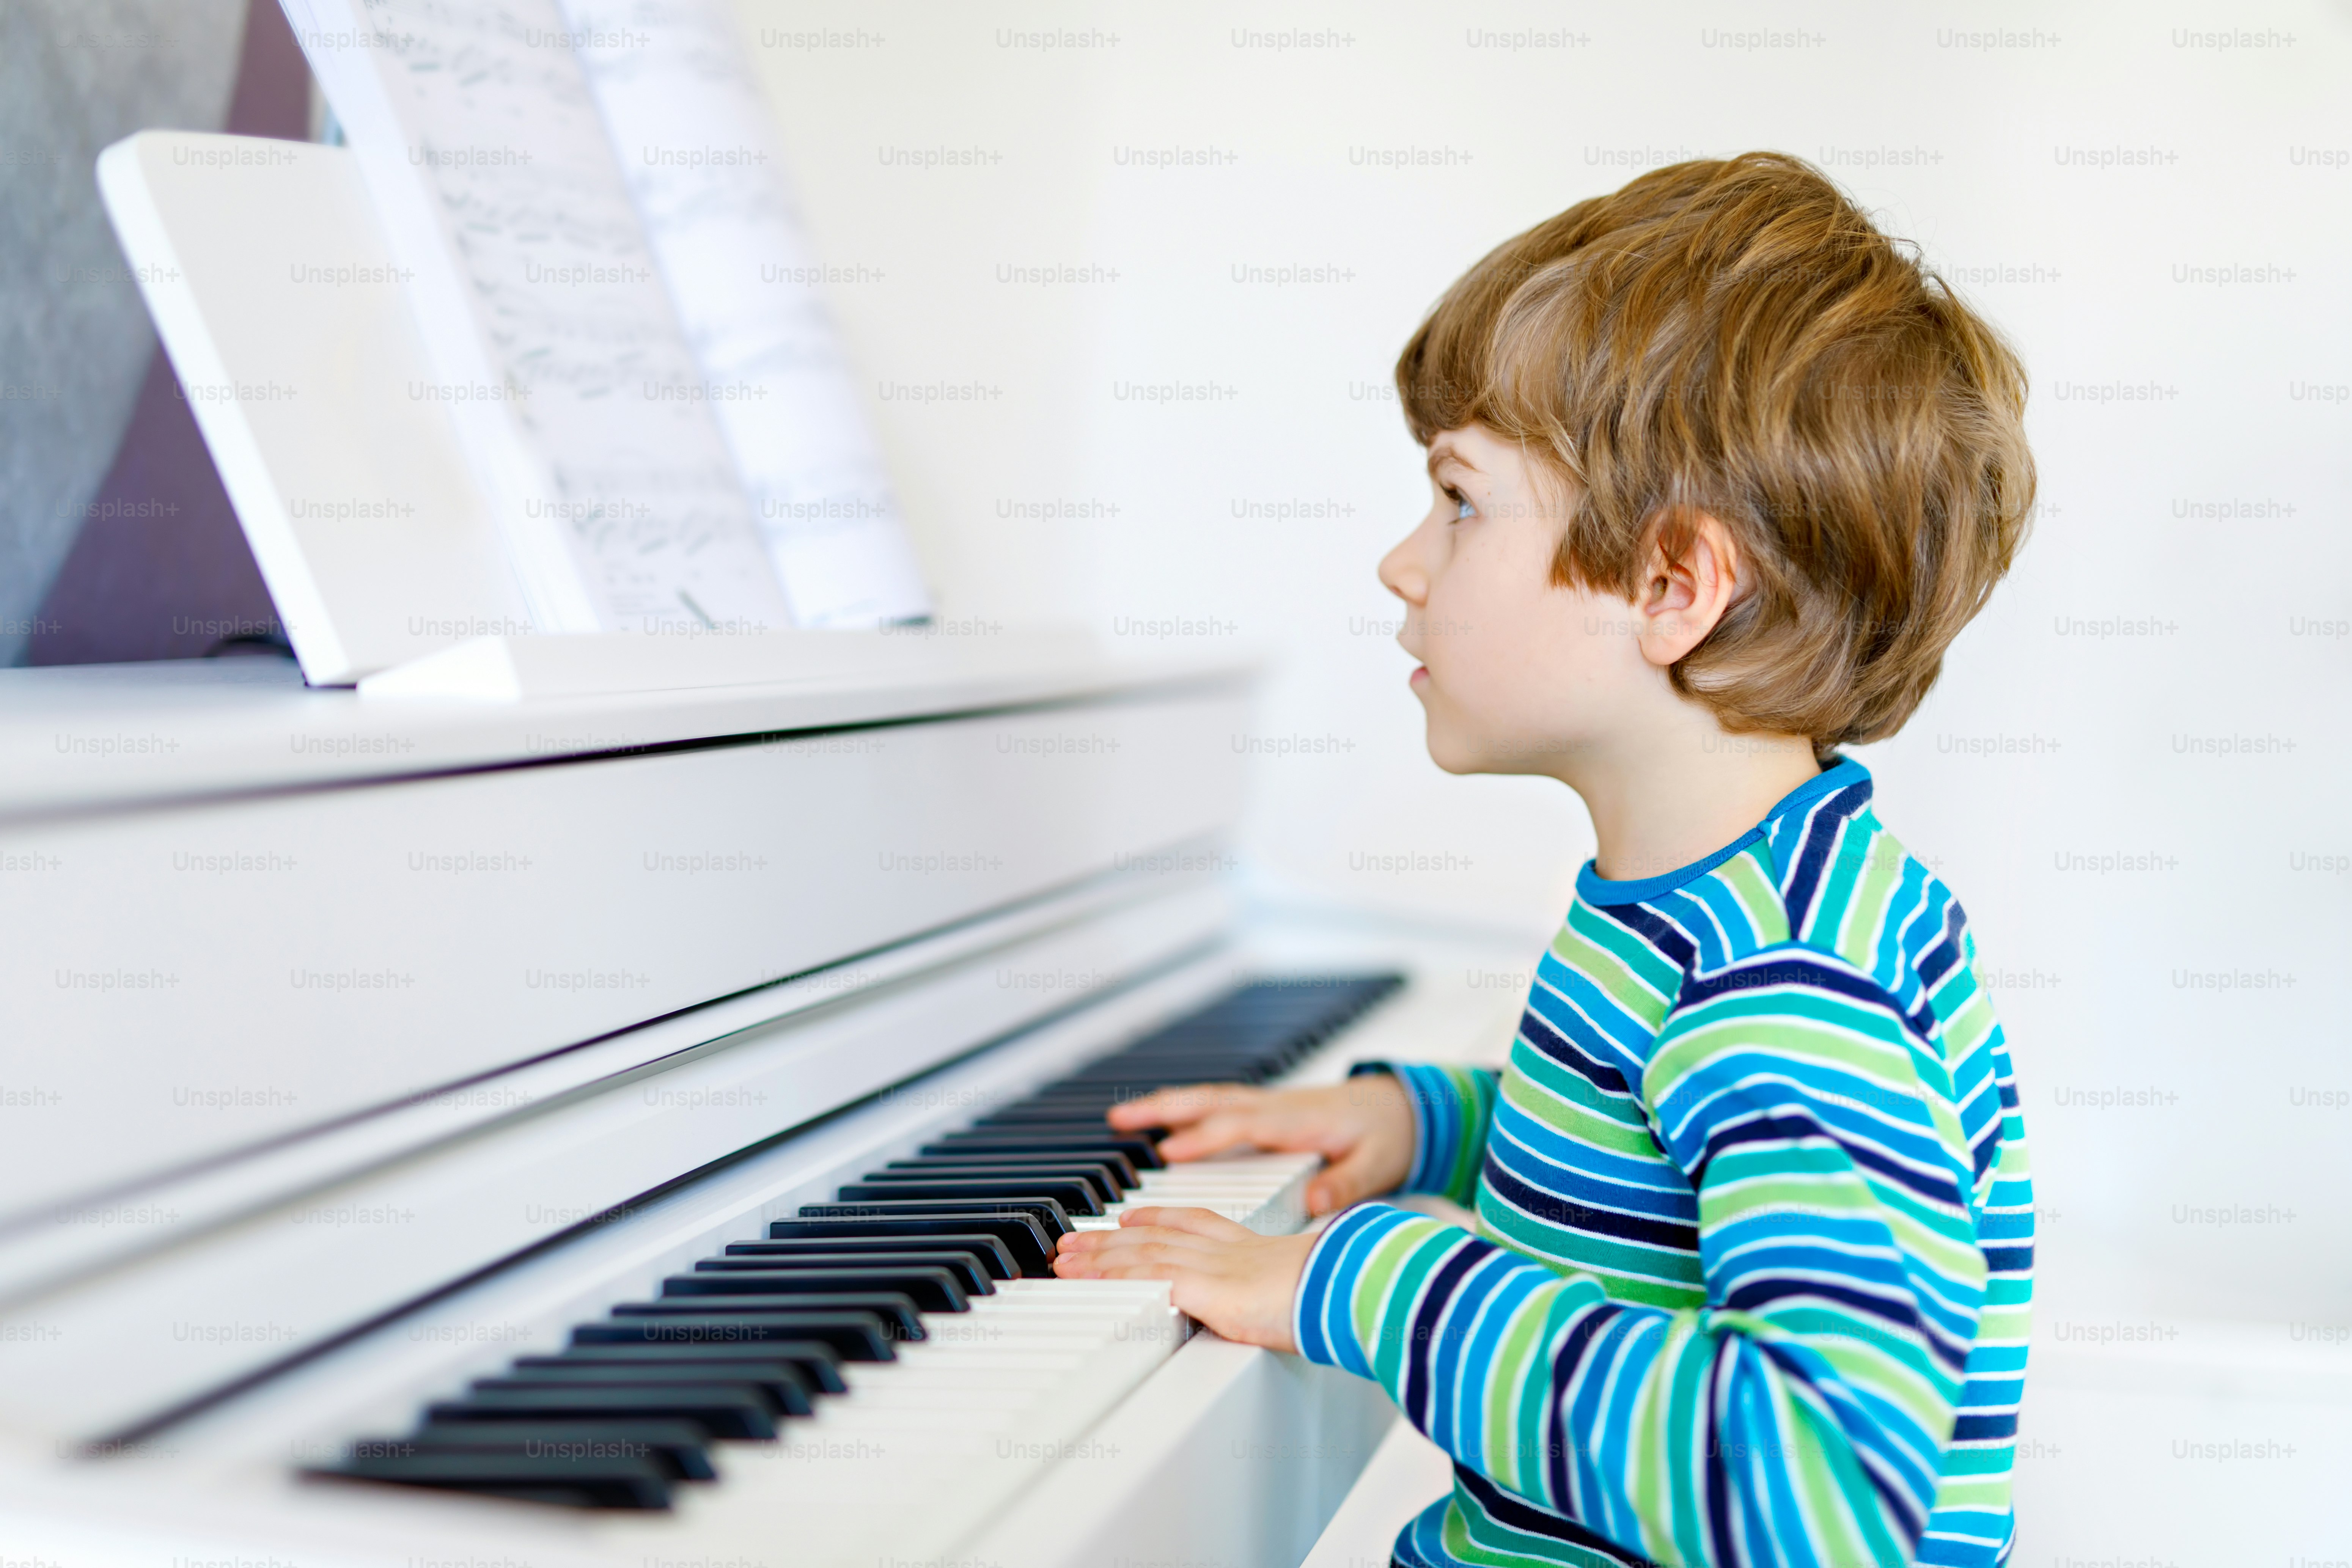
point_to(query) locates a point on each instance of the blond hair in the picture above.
(1735, 337)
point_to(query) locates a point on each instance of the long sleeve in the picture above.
(1799, 1415)
(1452, 1107)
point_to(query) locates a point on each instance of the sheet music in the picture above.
(544, 311)
(697, 147)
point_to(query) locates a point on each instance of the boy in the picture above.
(1719, 473)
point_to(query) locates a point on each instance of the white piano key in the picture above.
(923, 1448)
(922, 1452)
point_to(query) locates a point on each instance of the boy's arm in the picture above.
(1800, 1415)
(1452, 1108)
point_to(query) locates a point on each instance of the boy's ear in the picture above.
(1685, 595)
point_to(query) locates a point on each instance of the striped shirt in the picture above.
(1755, 1247)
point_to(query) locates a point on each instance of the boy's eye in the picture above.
(1462, 506)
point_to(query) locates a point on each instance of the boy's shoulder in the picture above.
(1819, 924)
(1850, 888)
(1820, 892)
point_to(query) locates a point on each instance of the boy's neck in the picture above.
(1663, 803)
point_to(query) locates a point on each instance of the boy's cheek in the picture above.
(1469, 687)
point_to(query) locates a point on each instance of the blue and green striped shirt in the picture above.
(1755, 1247)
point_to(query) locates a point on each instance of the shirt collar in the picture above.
(1843, 774)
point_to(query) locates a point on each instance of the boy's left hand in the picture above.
(1238, 1282)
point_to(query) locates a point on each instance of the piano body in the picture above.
(387, 1082)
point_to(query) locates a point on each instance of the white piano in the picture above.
(377, 1072)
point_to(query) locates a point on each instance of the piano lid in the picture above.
(80, 738)
(243, 912)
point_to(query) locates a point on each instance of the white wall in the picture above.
(2208, 622)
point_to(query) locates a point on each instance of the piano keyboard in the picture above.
(891, 1363)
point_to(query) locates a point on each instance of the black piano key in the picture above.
(931, 1289)
(984, 1258)
(1119, 1068)
(1024, 1239)
(720, 1354)
(895, 1309)
(1028, 1121)
(1099, 1097)
(523, 1477)
(1103, 1093)
(1069, 1126)
(1112, 1174)
(683, 1386)
(818, 1363)
(1074, 1194)
(681, 1447)
(968, 1274)
(1091, 1122)
(1186, 1056)
(1014, 1126)
(781, 1395)
(1133, 1090)
(1071, 1197)
(1117, 1168)
(785, 1386)
(1069, 1095)
(1137, 1152)
(1097, 1176)
(1049, 1216)
(722, 1413)
(1134, 1083)
(1187, 1068)
(854, 1336)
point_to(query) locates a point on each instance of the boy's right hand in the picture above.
(1363, 1128)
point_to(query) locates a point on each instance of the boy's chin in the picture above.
(1463, 755)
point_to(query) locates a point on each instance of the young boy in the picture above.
(1718, 474)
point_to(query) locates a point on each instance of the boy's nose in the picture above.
(1401, 575)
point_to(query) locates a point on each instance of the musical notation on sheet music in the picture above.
(543, 309)
(697, 146)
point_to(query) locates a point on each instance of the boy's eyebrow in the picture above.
(1441, 452)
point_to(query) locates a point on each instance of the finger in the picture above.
(1205, 1223)
(1169, 1271)
(1225, 1130)
(1348, 1181)
(1100, 1240)
(1181, 1106)
(1181, 1254)
(1127, 1238)
(1263, 1122)
(1084, 1265)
